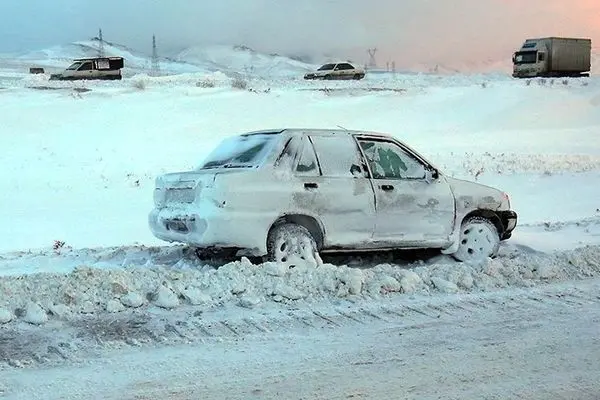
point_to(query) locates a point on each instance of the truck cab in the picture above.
(104, 68)
(530, 60)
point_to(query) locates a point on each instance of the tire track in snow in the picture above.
(23, 345)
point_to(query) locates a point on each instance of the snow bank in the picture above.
(37, 297)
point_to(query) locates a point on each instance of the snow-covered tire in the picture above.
(479, 239)
(287, 241)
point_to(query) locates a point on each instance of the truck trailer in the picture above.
(553, 57)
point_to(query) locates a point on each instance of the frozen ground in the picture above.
(83, 284)
(519, 344)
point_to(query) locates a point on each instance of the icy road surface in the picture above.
(518, 344)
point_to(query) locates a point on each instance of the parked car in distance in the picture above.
(342, 70)
(101, 68)
(292, 192)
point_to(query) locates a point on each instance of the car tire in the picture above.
(287, 241)
(358, 77)
(479, 239)
(328, 77)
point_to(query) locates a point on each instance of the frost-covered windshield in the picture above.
(525, 57)
(74, 66)
(240, 151)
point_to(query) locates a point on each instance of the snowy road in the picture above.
(541, 343)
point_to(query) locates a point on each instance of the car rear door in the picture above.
(333, 184)
(412, 206)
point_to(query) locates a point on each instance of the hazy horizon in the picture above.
(408, 32)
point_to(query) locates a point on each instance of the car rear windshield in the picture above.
(245, 151)
(326, 67)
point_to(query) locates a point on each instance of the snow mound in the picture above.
(88, 290)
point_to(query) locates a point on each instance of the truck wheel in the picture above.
(479, 239)
(288, 241)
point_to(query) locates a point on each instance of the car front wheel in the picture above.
(479, 240)
(288, 241)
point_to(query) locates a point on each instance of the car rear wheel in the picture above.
(289, 241)
(357, 76)
(479, 239)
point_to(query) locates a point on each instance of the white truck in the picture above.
(103, 68)
(553, 57)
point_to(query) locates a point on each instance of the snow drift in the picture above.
(36, 298)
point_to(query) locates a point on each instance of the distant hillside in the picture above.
(243, 60)
(62, 55)
(227, 59)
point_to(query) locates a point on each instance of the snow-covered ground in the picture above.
(76, 255)
(530, 344)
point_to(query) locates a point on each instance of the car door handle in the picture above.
(387, 188)
(311, 185)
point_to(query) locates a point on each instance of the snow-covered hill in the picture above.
(226, 59)
(243, 60)
(60, 56)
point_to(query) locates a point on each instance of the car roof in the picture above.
(97, 58)
(318, 131)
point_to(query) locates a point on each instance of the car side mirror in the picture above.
(356, 170)
(431, 174)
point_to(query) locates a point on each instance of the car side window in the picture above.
(346, 66)
(338, 156)
(387, 160)
(87, 66)
(307, 163)
(287, 158)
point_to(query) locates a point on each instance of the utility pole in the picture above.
(155, 65)
(100, 44)
(372, 62)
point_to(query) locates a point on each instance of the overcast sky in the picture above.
(408, 31)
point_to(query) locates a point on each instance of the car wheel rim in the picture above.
(478, 241)
(292, 247)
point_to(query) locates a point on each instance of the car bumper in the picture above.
(215, 231)
(509, 222)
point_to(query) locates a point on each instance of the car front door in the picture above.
(334, 185)
(412, 206)
(86, 70)
(347, 70)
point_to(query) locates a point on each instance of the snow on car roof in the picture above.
(320, 131)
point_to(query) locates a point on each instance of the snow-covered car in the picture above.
(342, 70)
(295, 192)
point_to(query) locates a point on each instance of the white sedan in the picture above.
(295, 192)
